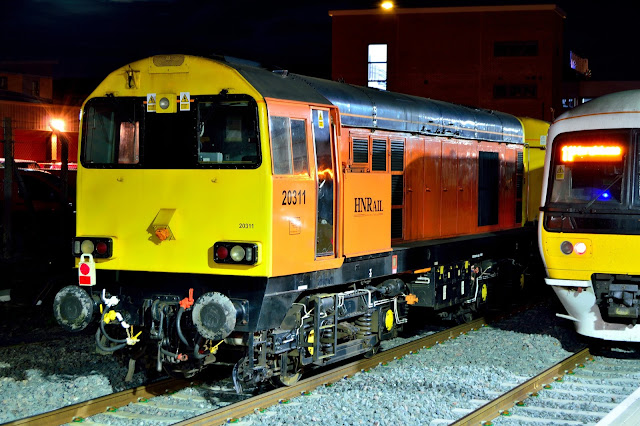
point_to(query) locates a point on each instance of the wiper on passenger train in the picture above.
(593, 200)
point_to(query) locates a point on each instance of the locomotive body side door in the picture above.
(367, 194)
(325, 180)
(293, 187)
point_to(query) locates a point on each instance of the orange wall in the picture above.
(450, 56)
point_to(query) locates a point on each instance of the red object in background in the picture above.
(36, 145)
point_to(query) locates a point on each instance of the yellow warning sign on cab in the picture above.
(151, 102)
(185, 101)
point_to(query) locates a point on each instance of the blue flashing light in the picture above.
(605, 196)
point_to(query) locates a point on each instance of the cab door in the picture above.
(325, 183)
(294, 188)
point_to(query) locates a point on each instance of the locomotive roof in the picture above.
(376, 109)
(613, 111)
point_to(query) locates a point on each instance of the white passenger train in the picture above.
(589, 229)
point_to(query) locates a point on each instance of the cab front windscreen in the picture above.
(593, 183)
(588, 168)
(216, 132)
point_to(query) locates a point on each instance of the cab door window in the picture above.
(289, 146)
(325, 174)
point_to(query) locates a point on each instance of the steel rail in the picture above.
(274, 397)
(100, 405)
(506, 401)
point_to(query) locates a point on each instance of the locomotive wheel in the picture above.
(292, 374)
(374, 350)
(290, 379)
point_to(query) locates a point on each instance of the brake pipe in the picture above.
(196, 352)
(179, 328)
(105, 348)
(102, 323)
(179, 357)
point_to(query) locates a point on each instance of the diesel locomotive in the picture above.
(590, 217)
(232, 214)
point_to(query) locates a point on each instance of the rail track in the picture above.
(580, 389)
(80, 411)
(218, 404)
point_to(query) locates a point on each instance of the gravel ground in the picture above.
(43, 368)
(435, 384)
(39, 376)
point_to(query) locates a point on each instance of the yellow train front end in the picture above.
(174, 211)
(589, 232)
(166, 151)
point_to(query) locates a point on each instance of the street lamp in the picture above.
(57, 124)
(387, 5)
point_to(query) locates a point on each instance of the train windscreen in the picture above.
(215, 132)
(589, 182)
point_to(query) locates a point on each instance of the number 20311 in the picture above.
(294, 197)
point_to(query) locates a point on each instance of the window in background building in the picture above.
(515, 48)
(378, 66)
(3, 83)
(515, 91)
(35, 88)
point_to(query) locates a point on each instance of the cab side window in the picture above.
(289, 146)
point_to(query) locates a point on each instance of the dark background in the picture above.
(89, 38)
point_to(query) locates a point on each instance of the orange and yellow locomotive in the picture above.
(228, 212)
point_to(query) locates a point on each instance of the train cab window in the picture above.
(111, 131)
(289, 146)
(216, 132)
(227, 132)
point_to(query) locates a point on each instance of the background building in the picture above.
(27, 99)
(507, 58)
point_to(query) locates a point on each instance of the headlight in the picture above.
(237, 253)
(566, 247)
(580, 248)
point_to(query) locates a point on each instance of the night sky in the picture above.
(90, 38)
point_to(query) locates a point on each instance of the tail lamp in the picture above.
(98, 247)
(235, 253)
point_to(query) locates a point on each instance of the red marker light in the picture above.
(101, 247)
(222, 252)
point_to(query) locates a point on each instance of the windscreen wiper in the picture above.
(593, 200)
